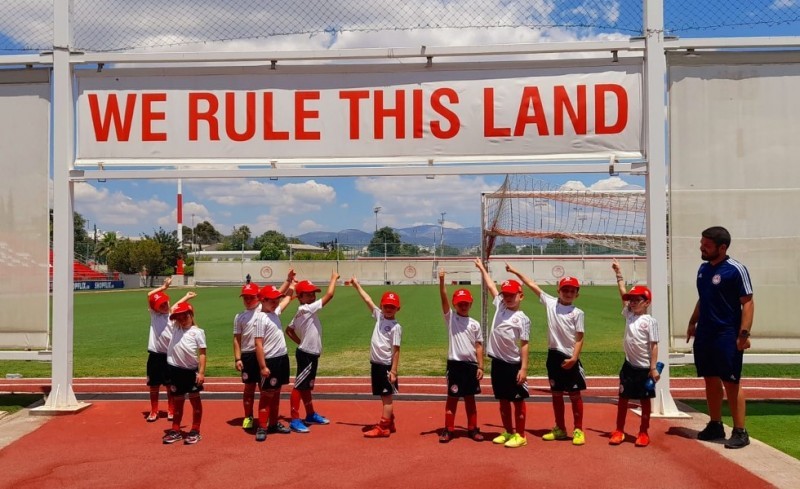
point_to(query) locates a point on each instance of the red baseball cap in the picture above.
(157, 299)
(462, 295)
(391, 299)
(249, 289)
(306, 286)
(569, 282)
(511, 287)
(638, 291)
(269, 292)
(180, 309)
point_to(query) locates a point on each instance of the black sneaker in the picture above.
(713, 431)
(261, 434)
(279, 428)
(445, 436)
(192, 438)
(171, 437)
(739, 439)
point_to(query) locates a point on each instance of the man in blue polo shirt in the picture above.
(721, 324)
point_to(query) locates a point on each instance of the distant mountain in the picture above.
(419, 235)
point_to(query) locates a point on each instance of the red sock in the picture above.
(197, 412)
(505, 415)
(521, 411)
(558, 409)
(274, 410)
(154, 399)
(622, 411)
(647, 408)
(308, 402)
(264, 403)
(176, 420)
(248, 399)
(450, 413)
(294, 404)
(577, 409)
(472, 412)
(170, 402)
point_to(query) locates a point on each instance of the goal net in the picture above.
(606, 221)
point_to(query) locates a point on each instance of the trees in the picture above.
(505, 249)
(133, 257)
(104, 246)
(206, 234)
(385, 241)
(169, 246)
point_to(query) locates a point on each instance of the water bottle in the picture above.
(650, 385)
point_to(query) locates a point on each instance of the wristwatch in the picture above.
(744, 333)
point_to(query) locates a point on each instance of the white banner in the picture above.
(379, 112)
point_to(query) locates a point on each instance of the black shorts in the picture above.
(251, 372)
(306, 370)
(157, 369)
(561, 379)
(632, 382)
(462, 379)
(183, 381)
(504, 381)
(278, 373)
(380, 380)
(718, 357)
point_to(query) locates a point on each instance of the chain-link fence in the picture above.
(117, 25)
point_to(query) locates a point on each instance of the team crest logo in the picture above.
(311, 384)
(244, 376)
(387, 328)
(273, 382)
(173, 388)
(716, 279)
(552, 383)
(454, 389)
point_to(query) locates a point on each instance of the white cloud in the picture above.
(115, 209)
(308, 225)
(782, 4)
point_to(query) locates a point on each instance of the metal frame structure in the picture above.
(650, 49)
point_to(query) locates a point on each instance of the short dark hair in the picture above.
(719, 235)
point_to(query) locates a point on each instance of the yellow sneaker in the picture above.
(555, 434)
(247, 423)
(577, 437)
(516, 441)
(503, 438)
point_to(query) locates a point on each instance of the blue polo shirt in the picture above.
(720, 289)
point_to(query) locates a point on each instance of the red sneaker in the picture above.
(617, 437)
(642, 440)
(152, 417)
(377, 432)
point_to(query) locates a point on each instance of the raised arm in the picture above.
(189, 296)
(288, 293)
(525, 280)
(490, 285)
(331, 288)
(361, 292)
(443, 292)
(620, 280)
(289, 279)
(164, 286)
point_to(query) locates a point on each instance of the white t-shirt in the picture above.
(245, 324)
(508, 328)
(463, 332)
(306, 325)
(160, 332)
(563, 324)
(184, 347)
(386, 334)
(270, 329)
(639, 332)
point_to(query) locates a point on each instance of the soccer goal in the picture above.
(524, 207)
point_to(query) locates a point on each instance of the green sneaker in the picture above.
(503, 438)
(516, 441)
(555, 434)
(247, 423)
(578, 437)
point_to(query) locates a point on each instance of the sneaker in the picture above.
(152, 417)
(516, 441)
(316, 418)
(247, 423)
(171, 437)
(298, 426)
(261, 434)
(192, 438)
(578, 438)
(279, 428)
(475, 434)
(617, 437)
(642, 440)
(503, 438)
(170, 416)
(713, 431)
(445, 436)
(555, 434)
(377, 432)
(739, 439)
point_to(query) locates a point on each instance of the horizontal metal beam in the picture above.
(41, 356)
(733, 43)
(26, 59)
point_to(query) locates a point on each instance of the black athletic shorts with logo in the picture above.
(462, 379)
(157, 369)
(183, 381)
(278, 373)
(380, 380)
(251, 372)
(632, 382)
(504, 381)
(561, 379)
(306, 370)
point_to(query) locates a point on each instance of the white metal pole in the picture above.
(655, 146)
(62, 397)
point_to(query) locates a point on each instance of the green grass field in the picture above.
(111, 329)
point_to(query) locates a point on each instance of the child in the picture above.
(157, 344)
(306, 330)
(464, 361)
(565, 341)
(244, 349)
(272, 356)
(508, 349)
(641, 355)
(186, 357)
(384, 356)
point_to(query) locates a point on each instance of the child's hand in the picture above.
(441, 272)
(569, 363)
(200, 378)
(479, 374)
(615, 265)
(191, 295)
(264, 372)
(353, 281)
(521, 376)
(478, 264)
(334, 275)
(167, 282)
(290, 275)
(510, 269)
(655, 375)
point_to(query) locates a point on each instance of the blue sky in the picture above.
(297, 206)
